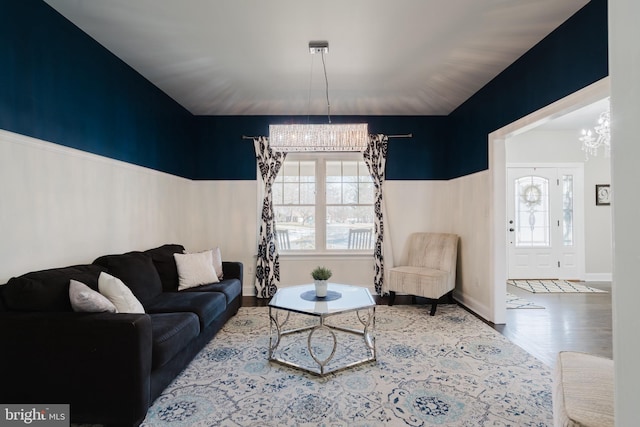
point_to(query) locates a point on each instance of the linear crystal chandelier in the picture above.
(600, 136)
(327, 137)
(319, 137)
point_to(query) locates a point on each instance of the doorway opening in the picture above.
(497, 171)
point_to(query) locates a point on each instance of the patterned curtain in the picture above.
(375, 157)
(268, 266)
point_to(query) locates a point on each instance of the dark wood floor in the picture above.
(569, 321)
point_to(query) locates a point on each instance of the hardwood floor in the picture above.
(569, 321)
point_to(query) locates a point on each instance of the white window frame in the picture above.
(320, 221)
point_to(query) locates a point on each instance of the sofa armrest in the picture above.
(99, 363)
(233, 270)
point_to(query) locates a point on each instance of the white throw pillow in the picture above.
(119, 294)
(217, 262)
(195, 269)
(84, 299)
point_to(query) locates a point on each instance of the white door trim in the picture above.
(497, 178)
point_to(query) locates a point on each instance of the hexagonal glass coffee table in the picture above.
(340, 299)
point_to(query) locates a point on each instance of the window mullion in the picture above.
(321, 221)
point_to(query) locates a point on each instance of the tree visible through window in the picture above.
(324, 202)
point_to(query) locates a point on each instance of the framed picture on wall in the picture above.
(603, 194)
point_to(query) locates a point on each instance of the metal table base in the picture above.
(368, 321)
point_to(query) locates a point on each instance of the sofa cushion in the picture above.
(231, 288)
(47, 290)
(166, 265)
(3, 306)
(136, 270)
(171, 333)
(207, 305)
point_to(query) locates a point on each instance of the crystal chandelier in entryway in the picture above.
(600, 136)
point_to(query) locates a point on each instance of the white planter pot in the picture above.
(321, 288)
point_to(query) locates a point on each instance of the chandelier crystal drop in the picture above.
(600, 136)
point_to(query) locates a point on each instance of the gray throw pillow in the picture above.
(85, 299)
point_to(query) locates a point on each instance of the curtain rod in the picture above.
(406, 135)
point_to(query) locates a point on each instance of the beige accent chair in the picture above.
(431, 268)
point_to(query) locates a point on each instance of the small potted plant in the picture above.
(320, 277)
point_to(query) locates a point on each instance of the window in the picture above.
(533, 223)
(323, 202)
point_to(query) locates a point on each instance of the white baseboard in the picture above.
(598, 277)
(473, 305)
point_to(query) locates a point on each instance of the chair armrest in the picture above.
(99, 363)
(233, 270)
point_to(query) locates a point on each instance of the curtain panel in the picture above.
(268, 264)
(375, 157)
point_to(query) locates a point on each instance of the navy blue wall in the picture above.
(572, 57)
(222, 153)
(60, 85)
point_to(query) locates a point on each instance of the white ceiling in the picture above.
(582, 118)
(386, 57)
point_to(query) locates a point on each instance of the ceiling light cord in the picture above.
(326, 81)
(309, 97)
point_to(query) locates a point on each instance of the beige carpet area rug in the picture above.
(447, 370)
(550, 286)
(515, 302)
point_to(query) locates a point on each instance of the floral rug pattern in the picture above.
(447, 370)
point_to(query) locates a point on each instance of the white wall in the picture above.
(61, 206)
(224, 214)
(470, 216)
(564, 147)
(624, 67)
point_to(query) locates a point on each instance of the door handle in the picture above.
(511, 229)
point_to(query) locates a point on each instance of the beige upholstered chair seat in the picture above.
(430, 270)
(422, 281)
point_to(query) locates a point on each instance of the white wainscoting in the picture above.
(470, 216)
(61, 206)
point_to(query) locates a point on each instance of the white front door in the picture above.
(545, 222)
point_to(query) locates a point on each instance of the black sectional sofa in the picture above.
(109, 367)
